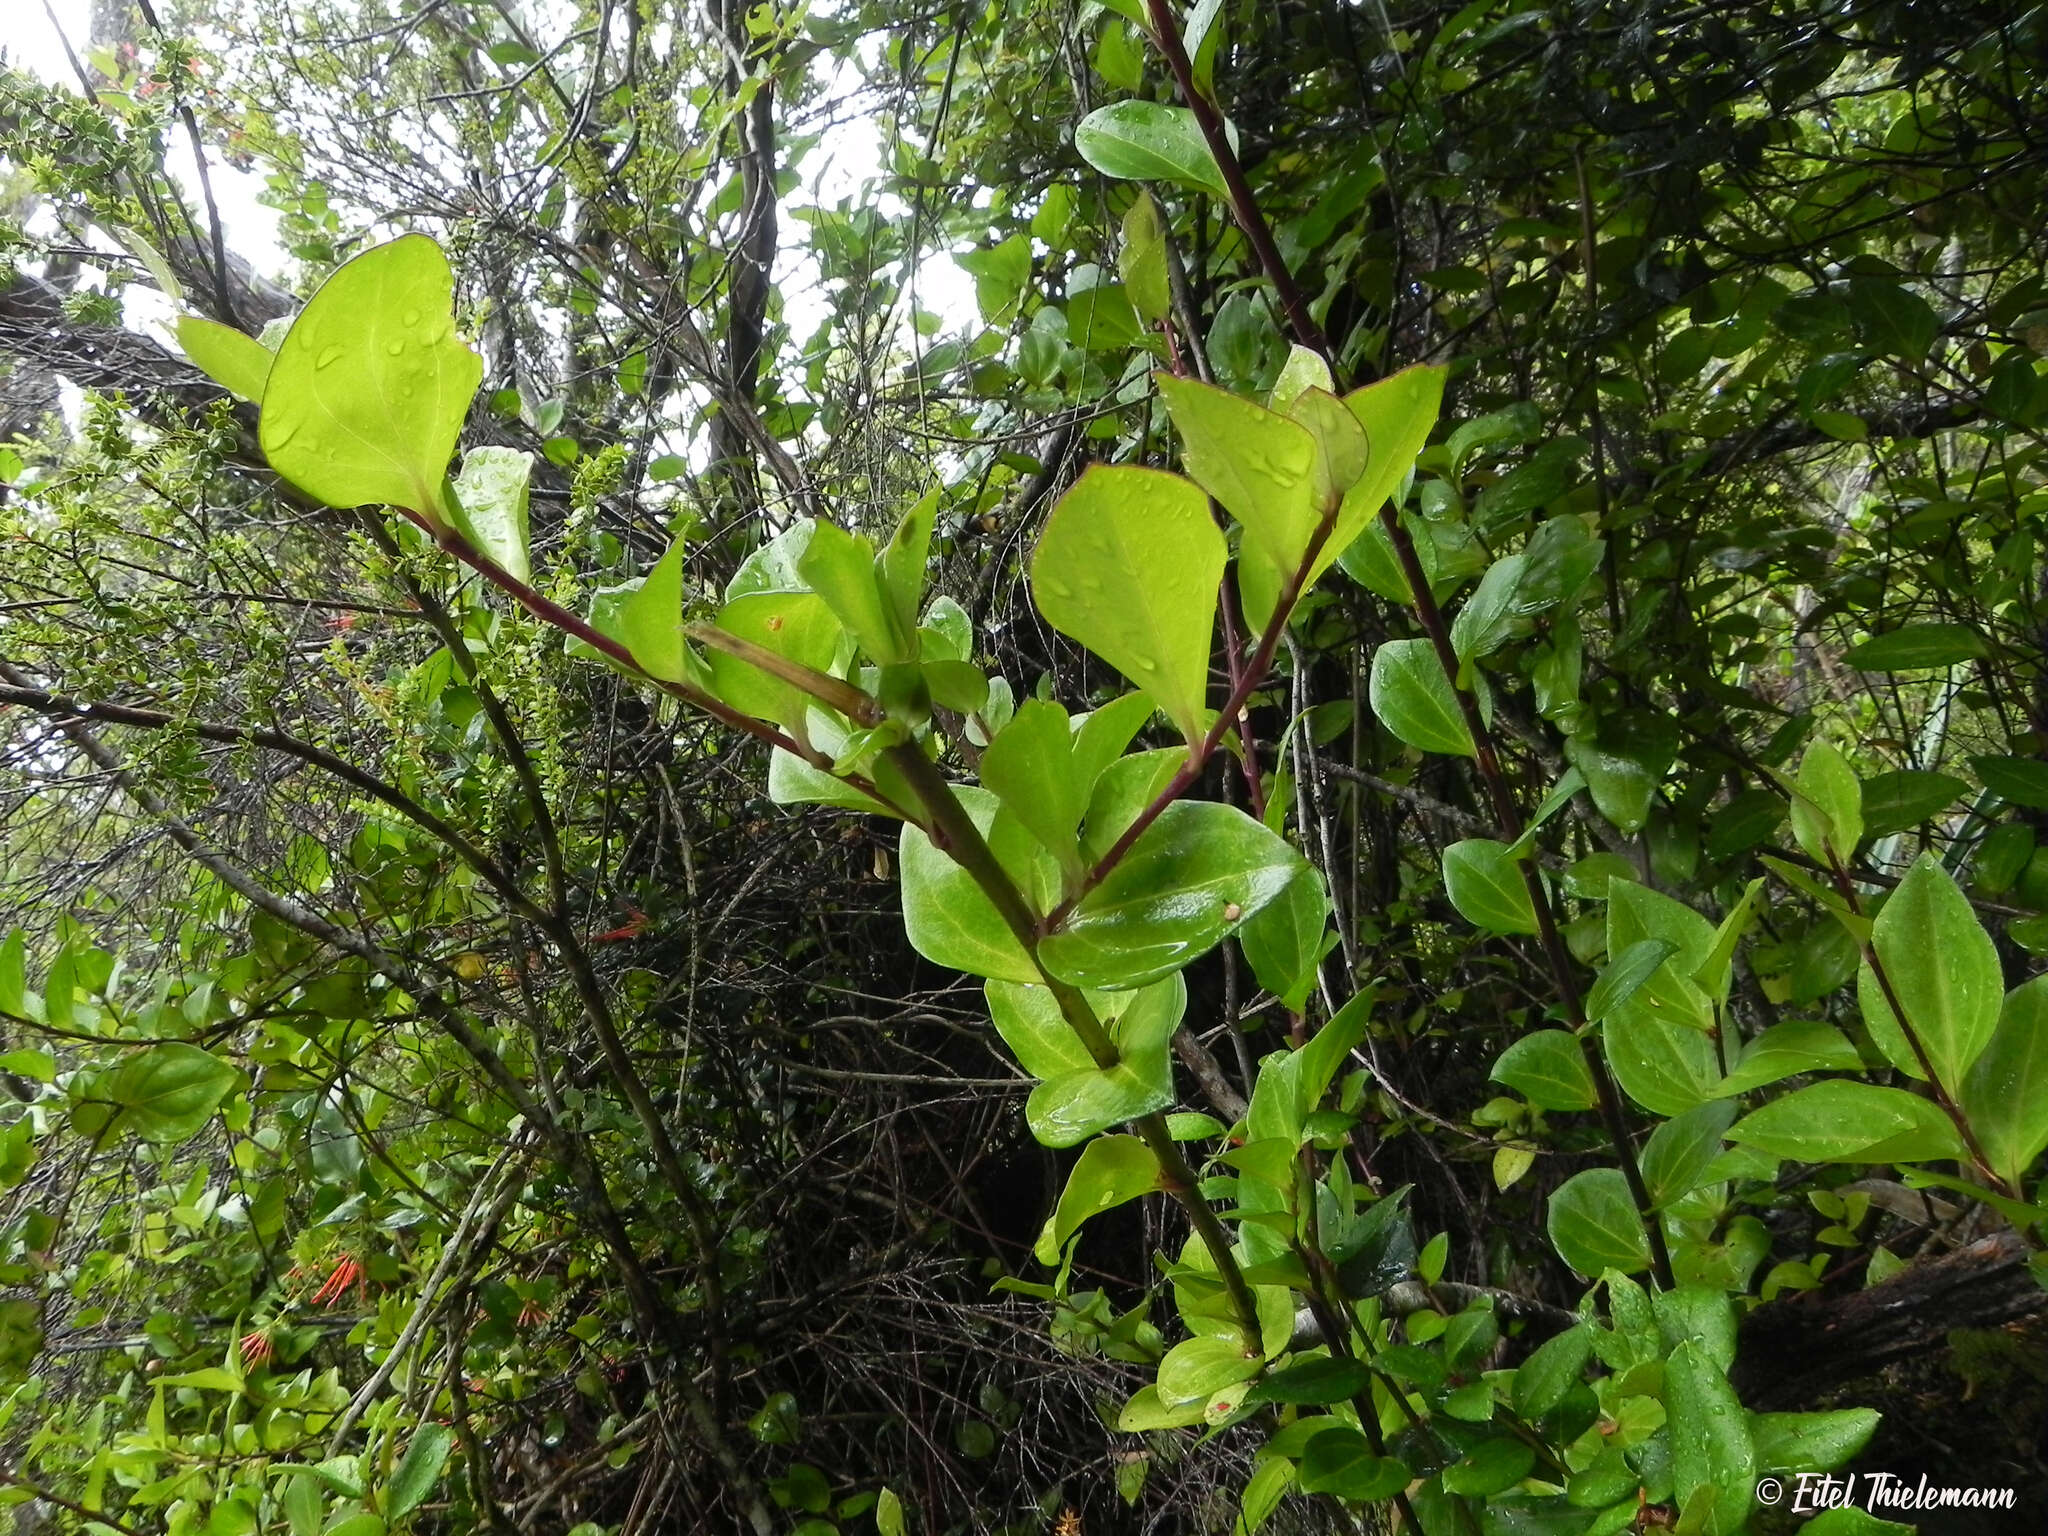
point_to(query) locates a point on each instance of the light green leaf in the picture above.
(1413, 699)
(1072, 1106)
(901, 566)
(946, 917)
(1548, 1068)
(1000, 274)
(1712, 1458)
(841, 568)
(2005, 1094)
(1286, 939)
(1593, 1224)
(1030, 766)
(1141, 261)
(420, 1470)
(1145, 141)
(1915, 647)
(1944, 970)
(1804, 1045)
(651, 624)
(1304, 369)
(1839, 1121)
(1196, 873)
(1196, 1369)
(170, 1090)
(1827, 808)
(888, 1514)
(1128, 565)
(238, 363)
(490, 506)
(795, 625)
(1851, 1521)
(367, 396)
(1552, 1370)
(1486, 886)
(1110, 1171)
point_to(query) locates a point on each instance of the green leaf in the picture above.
(1148, 1411)
(1317, 1382)
(1915, 647)
(1553, 1368)
(1031, 767)
(304, 1508)
(1286, 939)
(841, 568)
(170, 1090)
(1110, 1171)
(900, 567)
(2018, 779)
(1944, 971)
(1810, 1442)
(1128, 565)
(1069, 1107)
(1892, 319)
(1145, 141)
(1413, 699)
(1851, 1521)
(650, 625)
(796, 625)
(1902, 800)
(490, 506)
(1593, 1224)
(1625, 976)
(946, 917)
(367, 396)
(238, 363)
(1680, 1150)
(1341, 1461)
(1827, 808)
(21, 1334)
(1197, 1369)
(2005, 1094)
(420, 1469)
(1712, 1458)
(1196, 873)
(1492, 1467)
(1748, 819)
(1624, 761)
(1486, 886)
(1803, 1045)
(1548, 1068)
(14, 974)
(1141, 261)
(1000, 274)
(1848, 1122)
(888, 1514)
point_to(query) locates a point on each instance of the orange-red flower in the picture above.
(347, 1272)
(257, 1347)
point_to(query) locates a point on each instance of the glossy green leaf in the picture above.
(1194, 875)
(1713, 1460)
(1803, 1045)
(1915, 647)
(1413, 699)
(170, 1090)
(1485, 884)
(650, 624)
(1341, 1461)
(1141, 260)
(1196, 1369)
(237, 362)
(1553, 1368)
(1031, 767)
(1145, 141)
(1624, 761)
(1827, 808)
(900, 567)
(1679, 1151)
(1810, 1442)
(795, 625)
(1839, 1121)
(2021, 780)
(1069, 1107)
(1313, 1382)
(1128, 565)
(1548, 1068)
(2005, 1094)
(1625, 975)
(945, 915)
(419, 1470)
(1593, 1224)
(841, 568)
(1902, 800)
(489, 506)
(1943, 970)
(1285, 940)
(1110, 1171)
(370, 387)
(1492, 1467)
